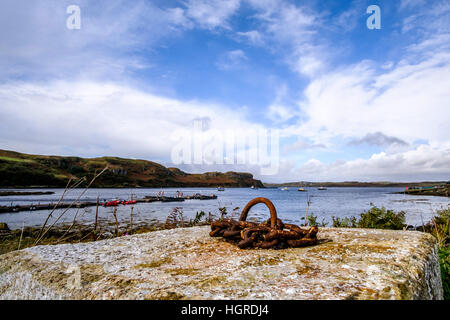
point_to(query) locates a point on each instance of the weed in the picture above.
(344, 222)
(382, 219)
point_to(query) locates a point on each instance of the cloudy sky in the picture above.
(349, 103)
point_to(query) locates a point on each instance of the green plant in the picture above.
(382, 219)
(444, 261)
(198, 218)
(223, 212)
(210, 218)
(439, 227)
(312, 221)
(344, 222)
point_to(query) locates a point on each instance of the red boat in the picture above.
(128, 202)
(113, 203)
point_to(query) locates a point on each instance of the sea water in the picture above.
(291, 204)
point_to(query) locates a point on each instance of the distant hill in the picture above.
(25, 170)
(355, 184)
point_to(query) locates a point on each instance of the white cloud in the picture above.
(94, 119)
(428, 20)
(253, 36)
(307, 63)
(411, 3)
(347, 20)
(36, 43)
(280, 110)
(300, 144)
(211, 14)
(409, 102)
(291, 23)
(407, 99)
(177, 16)
(231, 59)
(421, 163)
(292, 30)
(280, 113)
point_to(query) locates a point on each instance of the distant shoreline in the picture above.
(443, 192)
(354, 184)
(24, 193)
(175, 187)
(210, 187)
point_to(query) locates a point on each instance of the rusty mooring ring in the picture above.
(260, 235)
(268, 203)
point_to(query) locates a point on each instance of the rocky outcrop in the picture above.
(189, 264)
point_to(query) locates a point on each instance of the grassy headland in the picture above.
(25, 170)
(443, 191)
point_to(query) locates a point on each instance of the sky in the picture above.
(347, 102)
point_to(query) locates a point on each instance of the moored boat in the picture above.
(112, 203)
(116, 202)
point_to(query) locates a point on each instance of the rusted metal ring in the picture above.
(268, 203)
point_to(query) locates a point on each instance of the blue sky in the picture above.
(350, 103)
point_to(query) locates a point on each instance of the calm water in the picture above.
(291, 204)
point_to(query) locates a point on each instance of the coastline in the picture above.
(442, 192)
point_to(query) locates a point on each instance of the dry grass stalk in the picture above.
(307, 208)
(21, 235)
(57, 203)
(70, 227)
(43, 233)
(131, 215)
(96, 218)
(131, 220)
(117, 222)
(175, 218)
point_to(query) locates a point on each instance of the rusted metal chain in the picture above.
(271, 234)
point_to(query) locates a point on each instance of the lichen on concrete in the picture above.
(188, 264)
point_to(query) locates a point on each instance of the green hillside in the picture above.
(25, 170)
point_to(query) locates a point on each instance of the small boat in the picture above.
(116, 202)
(321, 188)
(220, 189)
(285, 189)
(254, 187)
(125, 202)
(112, 203)
(301, 189)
